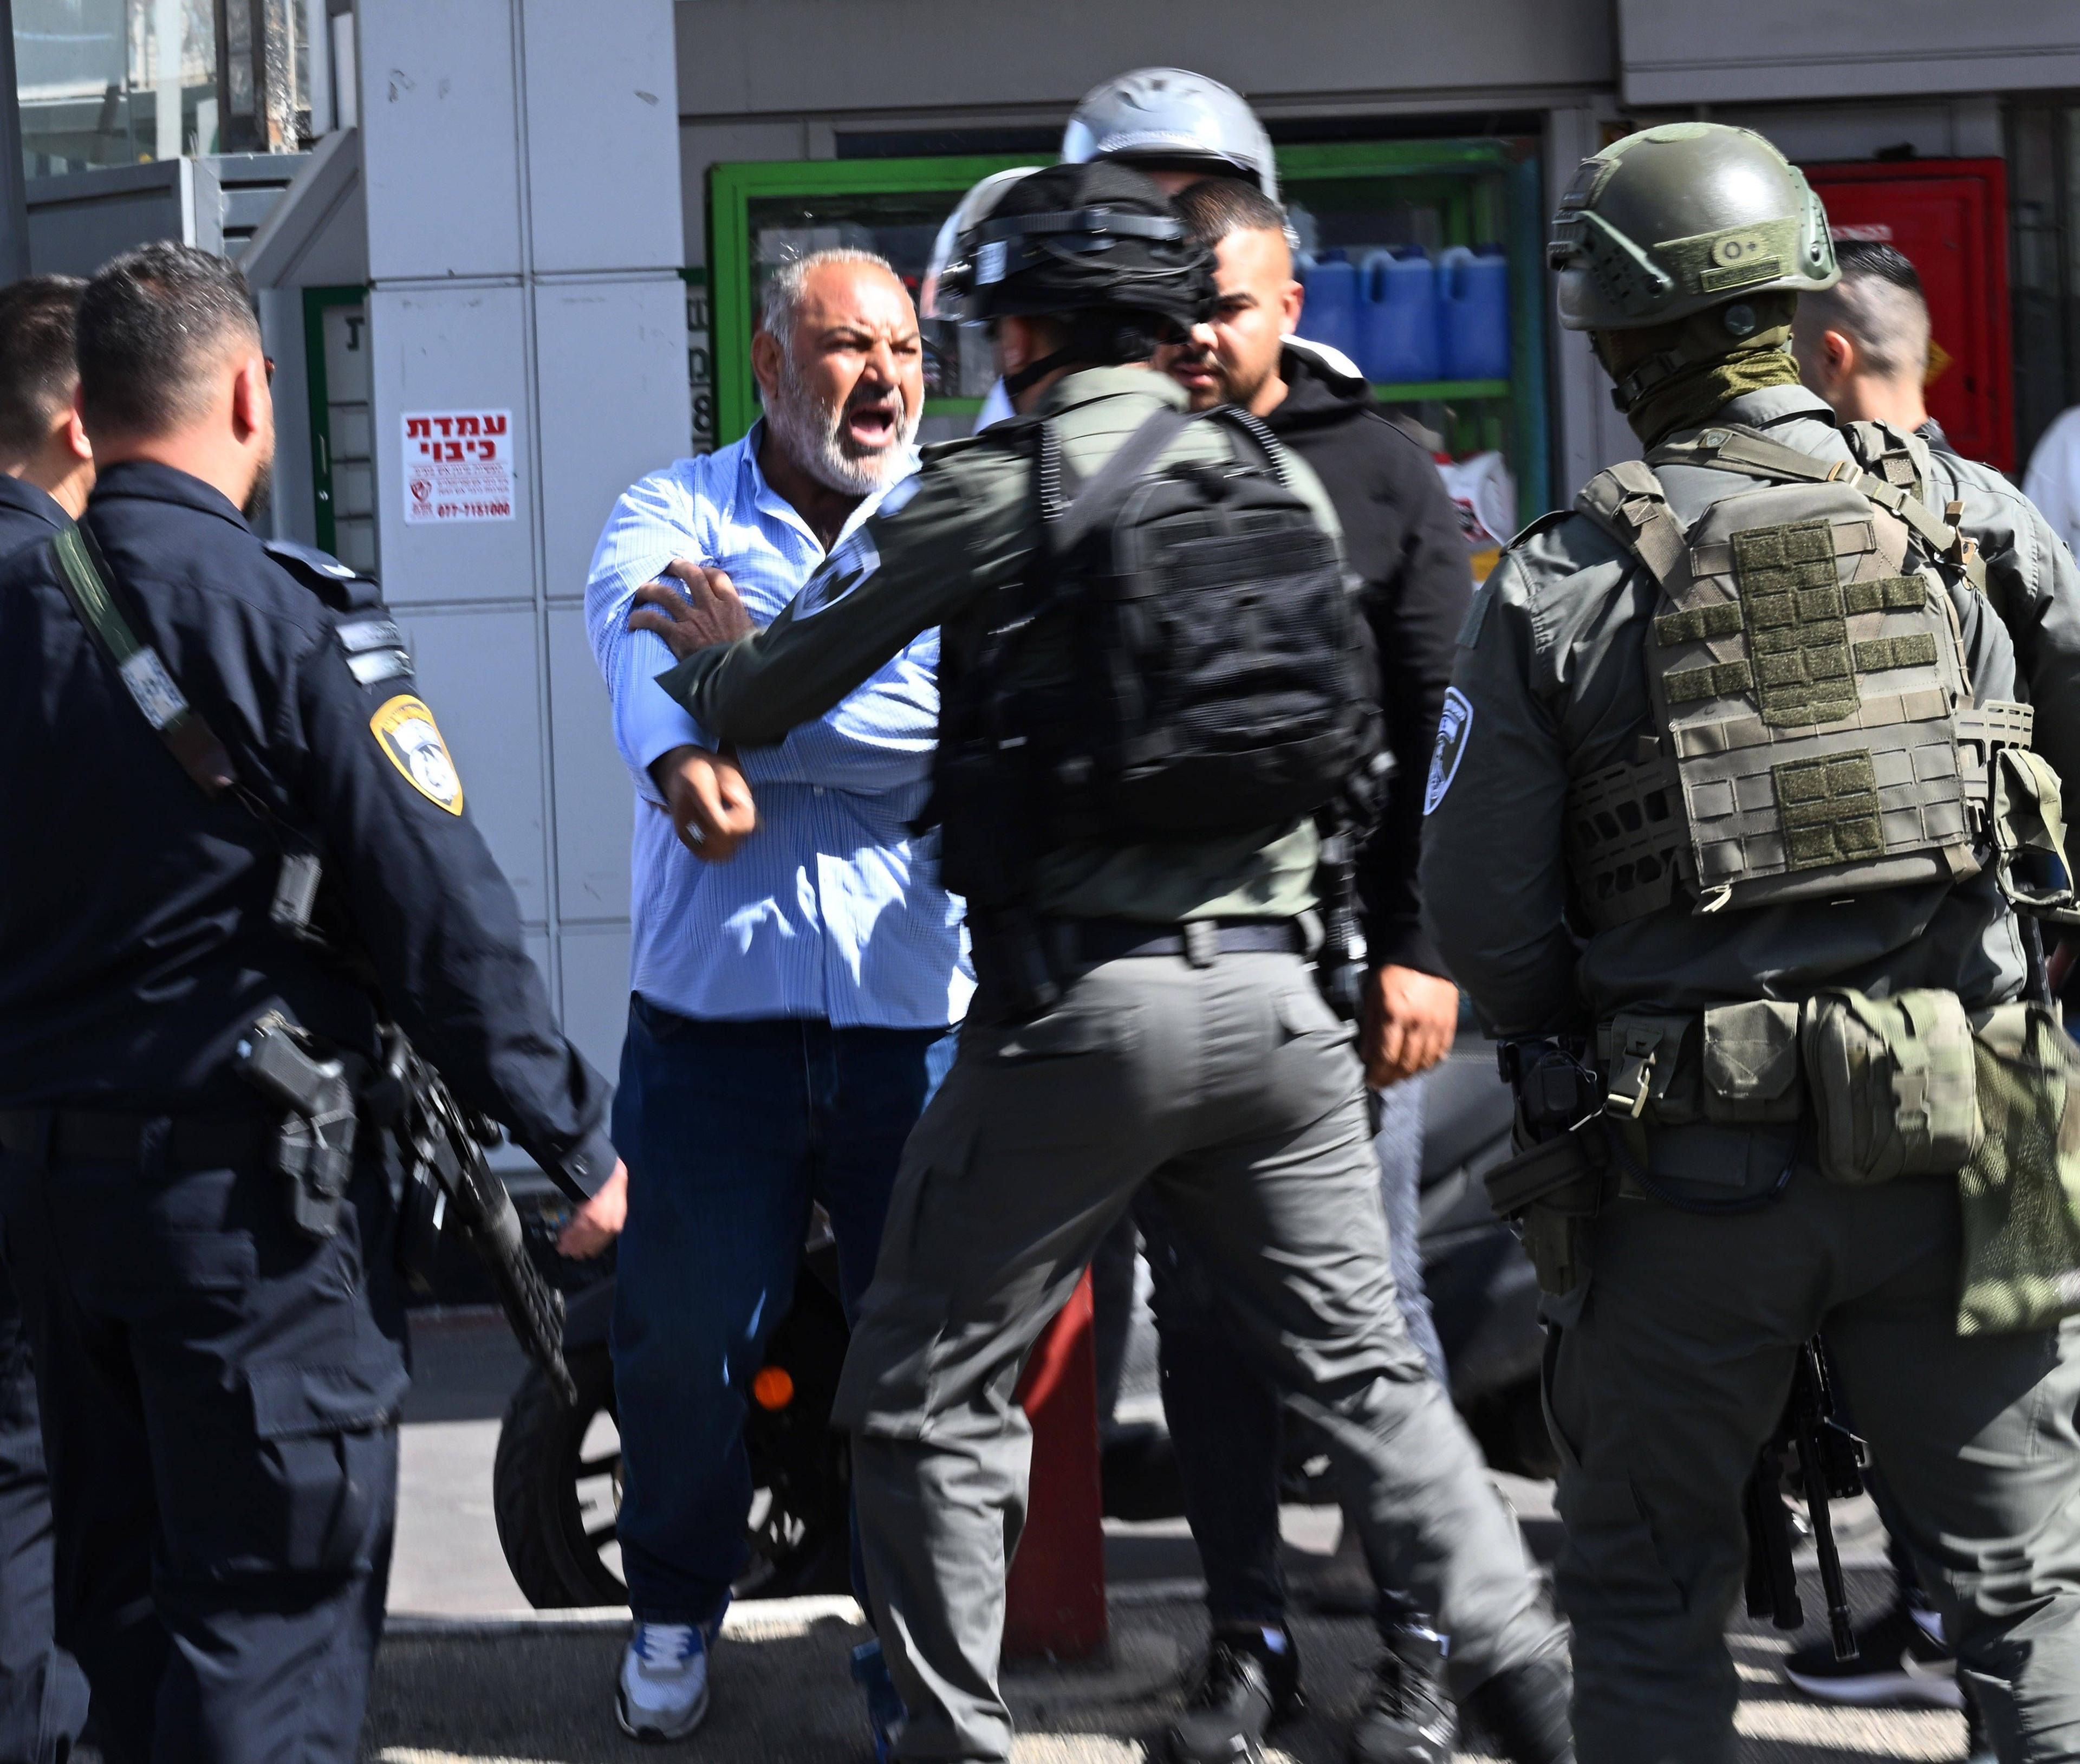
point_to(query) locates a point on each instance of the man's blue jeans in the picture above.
(730, 1130)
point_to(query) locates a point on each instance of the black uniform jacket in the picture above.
(135, 942)
(28, 515)
(1402, 536)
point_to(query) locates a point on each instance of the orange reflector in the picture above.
(773, 1388)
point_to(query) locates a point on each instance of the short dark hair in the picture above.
(152, 323)
(1878, 304)
(1860, 258)
(1215, 207)
(37, 367)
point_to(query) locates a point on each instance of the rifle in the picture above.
(1829, 1462)
(443, 1145)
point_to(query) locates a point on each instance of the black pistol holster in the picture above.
(1555, 1184)
(314, 1145)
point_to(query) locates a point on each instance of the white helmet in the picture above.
(969, 213)
(1167, 115)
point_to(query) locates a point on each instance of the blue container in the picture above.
(1472, 304)
(1329, 314)
(1397, 338)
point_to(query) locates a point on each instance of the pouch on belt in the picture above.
(1895, 1083)
(1752, 1076)
(2019, 1194)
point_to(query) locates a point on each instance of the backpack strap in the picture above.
(1627, 500)
(1105, 493)
(1893, 454)
(1254, 430)
(1756, 456)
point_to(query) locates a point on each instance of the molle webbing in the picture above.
(1627, 842)
(1815, 735)
(1892, 486)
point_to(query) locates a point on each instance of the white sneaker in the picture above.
(663, 1691)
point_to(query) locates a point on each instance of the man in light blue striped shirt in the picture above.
(796, 965)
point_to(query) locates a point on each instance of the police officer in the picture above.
(46, 470)
(1729, 800)
(220, 1353)
(1185, 1044)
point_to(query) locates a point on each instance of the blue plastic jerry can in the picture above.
(1330, 314)
(1473, 301)
(1397, 335)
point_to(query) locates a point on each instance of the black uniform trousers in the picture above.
(42, 1696)
(220, 1399)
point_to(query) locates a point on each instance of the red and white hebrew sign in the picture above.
(458, 466)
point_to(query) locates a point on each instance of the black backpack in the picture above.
(1184, 661)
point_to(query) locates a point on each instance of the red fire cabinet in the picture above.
(1949, 216)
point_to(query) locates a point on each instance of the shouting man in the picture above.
(795, 970)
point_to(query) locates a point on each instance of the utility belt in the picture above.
(175, 1143)
(1867, 1090)
(1031, 959)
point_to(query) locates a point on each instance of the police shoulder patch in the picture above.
(1452, 729)
(404, 729)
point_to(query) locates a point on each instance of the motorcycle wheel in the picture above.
(554, 1504)
(556, 1478)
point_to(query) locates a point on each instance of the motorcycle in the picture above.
(556, 1480)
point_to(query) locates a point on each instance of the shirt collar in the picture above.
(1772, 405)
(29, 498)
(770, 502)
(147, 481)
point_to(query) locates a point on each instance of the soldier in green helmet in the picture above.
(1747, 784)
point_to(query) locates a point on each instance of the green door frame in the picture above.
(316, 301)
(732, 187)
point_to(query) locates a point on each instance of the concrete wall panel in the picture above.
(593, 793)
(444, 349)
(438, 125)
(602, 116)
(614, 404)
(595, 989)
(1769, 51)
(476, 669)
(753, 57)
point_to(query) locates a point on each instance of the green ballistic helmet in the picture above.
(1675, 220)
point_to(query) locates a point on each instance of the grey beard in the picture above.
(809, 431)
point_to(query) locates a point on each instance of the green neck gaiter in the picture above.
(1675, 376)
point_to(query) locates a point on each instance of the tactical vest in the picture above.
(1184, 661)
(1814, 734)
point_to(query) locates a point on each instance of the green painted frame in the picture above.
(732, 187)
(316, 301)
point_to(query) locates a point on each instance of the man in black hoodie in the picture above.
(1401, 534)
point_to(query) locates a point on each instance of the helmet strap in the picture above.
(1033, 372)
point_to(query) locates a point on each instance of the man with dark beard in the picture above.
(792, 986)
(205, 1275)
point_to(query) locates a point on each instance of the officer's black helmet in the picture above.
(1073, 239)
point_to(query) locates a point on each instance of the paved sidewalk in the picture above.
(468, 1676)
(540, 1695)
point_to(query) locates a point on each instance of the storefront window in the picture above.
(116, 82)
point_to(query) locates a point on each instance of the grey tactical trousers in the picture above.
(1676, 1365)
(1234, 1091)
